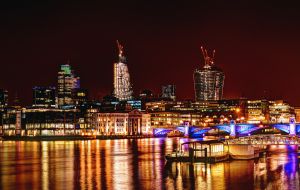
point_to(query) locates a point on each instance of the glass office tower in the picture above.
(67, 84)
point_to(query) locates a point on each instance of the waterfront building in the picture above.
(297, 113)
(11, 123)
(41, 122)
(173, 119)
(68, 83)
(3, 107)
(86, 116)
(44, 97)
(280, 111)
(86, 120)
(122, 123)
(122, 86)
(168, 91)
(111, 123)
(208, 81)
(235, 107)
(205, 112)
(3, 98)
(139, 123)
(257, 111)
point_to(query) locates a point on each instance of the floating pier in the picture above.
(200, 151)
(212, 151)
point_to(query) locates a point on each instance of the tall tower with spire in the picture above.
(122, 86)
(208, 81)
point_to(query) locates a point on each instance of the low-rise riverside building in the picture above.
(281, 112)
(60, 122)
(205, 113)
(40, 122)
(173, 119)
(122, 123)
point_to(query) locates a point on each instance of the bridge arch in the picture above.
(232, 129)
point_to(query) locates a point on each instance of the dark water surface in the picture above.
(133, 164)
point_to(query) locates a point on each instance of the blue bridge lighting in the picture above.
(239, 129)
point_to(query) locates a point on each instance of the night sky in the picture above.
(257, 45)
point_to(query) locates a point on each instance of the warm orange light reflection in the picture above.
(133, 164)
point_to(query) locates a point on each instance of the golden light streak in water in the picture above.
(133, 164)
(97, 172)
(123, 178)
(45, 166)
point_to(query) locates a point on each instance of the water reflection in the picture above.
(133, 164)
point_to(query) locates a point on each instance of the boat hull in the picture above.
(244, 157)
(212, 159)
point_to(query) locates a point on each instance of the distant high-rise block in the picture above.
(80, 96)
(67, 84)
(209, 80)
(168, 91)
(43, 97)
(122, 86)
(3, 98)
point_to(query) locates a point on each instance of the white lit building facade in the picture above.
(132, 123)
(122, 86)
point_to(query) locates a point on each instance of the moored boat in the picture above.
(210, 151)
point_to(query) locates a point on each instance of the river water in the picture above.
(134, 164)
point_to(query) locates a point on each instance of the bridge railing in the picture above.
(266, 140)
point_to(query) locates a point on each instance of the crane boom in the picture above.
(208, 59)
(120, 47)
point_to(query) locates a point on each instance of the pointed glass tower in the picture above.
(122, 86)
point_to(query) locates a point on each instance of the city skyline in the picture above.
(48, 36)
(149, 94)
(28, 100)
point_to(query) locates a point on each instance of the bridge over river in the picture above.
(233, 129)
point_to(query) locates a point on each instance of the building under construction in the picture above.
(122, 85)
(209, 80)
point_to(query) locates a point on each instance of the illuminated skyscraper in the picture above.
(122, 86)
(209, 80)
(67, 84)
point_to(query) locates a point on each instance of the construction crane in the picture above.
(120, 47)
(122, 58)
(207, 59)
